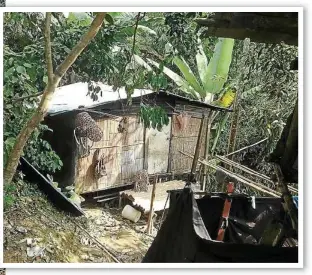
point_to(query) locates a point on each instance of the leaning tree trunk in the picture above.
(53, 81)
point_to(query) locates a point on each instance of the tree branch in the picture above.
(27, 96)
(47, 48)
(47, 96)
(135, 32)
(84, 41)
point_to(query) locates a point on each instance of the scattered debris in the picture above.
(35, 251)
(21, 229)
(35, 231)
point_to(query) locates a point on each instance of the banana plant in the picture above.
(211, 76)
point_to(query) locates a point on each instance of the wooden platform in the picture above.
(143, 199)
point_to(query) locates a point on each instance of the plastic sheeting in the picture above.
(188, 234)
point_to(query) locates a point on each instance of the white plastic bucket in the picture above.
(130, 213)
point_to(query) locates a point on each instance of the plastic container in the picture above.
(130, 213)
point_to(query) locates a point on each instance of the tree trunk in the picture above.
(53, 81)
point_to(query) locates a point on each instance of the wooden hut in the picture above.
(127, 149)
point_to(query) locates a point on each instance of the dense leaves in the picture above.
(266, 87)
(268, 95)
(153, 117)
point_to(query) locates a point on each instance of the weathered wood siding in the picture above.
(123, 156)
(184, 140)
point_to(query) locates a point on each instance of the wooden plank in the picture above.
(57, 197)
(142, 199)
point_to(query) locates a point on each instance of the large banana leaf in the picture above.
(141, 62)
(180, 81)
(202, 63)
(219, 65)
(189, 75)
(146, 29)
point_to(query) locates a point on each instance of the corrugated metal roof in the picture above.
(70, 97)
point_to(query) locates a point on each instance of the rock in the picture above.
(28, 199)
(85, 257)
(21, 229)
(82, 199)
(98, 222)
(35, 251)
(84, 241)
(74, 198)
(55, 184)
(70, 188)
(29, 241)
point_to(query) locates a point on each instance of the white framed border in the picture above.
(169, 265)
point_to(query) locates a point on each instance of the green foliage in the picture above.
(212, 76)
(268, 95)
(24, 74)
(9, 191)
(155, 117)
(216, 73)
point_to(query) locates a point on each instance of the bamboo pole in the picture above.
(151, 212)
(261, 185)
(207, 143)
(244, 168)
(197, 150)
(250, 184)
(244, 148)
(250, 171)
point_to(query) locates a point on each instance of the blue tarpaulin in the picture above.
(295, 199)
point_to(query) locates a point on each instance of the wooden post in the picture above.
(151, 212)
(145, 148)
(207, 142)
(197, 150)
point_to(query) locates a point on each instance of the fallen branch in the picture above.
(26, 97)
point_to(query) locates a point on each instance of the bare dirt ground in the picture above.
(36, 232)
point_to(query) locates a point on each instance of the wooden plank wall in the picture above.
(184, 140)
(123, 156)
